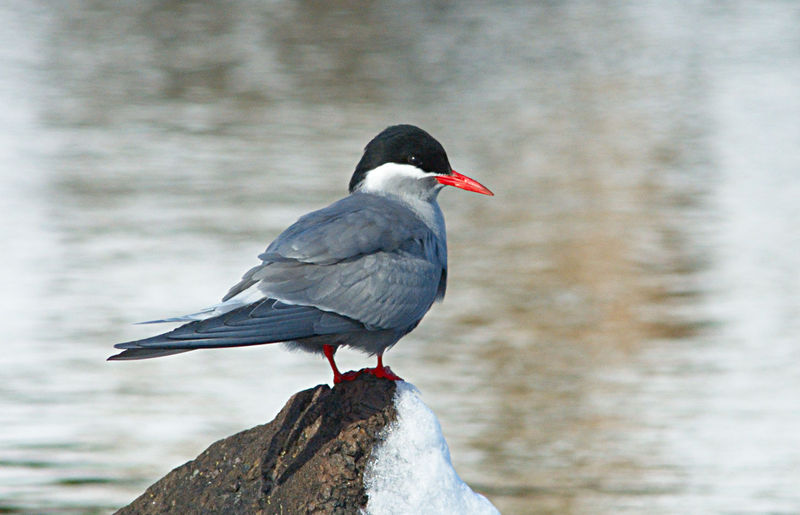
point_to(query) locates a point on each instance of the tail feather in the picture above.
(130, 354)
(265, 321)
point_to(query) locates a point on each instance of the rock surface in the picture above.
(310, 459)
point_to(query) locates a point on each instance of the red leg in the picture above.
(329, 350)
(338, 377)
(382, 371)
(379, 371)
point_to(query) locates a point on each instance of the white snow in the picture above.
(411, 470)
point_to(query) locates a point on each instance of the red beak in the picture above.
(463, 182)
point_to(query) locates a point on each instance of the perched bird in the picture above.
(360, 273)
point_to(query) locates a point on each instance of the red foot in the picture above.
(347, 376)
(379, 371)
(382, 372)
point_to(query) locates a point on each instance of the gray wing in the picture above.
(365, 257)
(266, 321)
(363, 263)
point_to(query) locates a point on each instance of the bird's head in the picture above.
(407, 161)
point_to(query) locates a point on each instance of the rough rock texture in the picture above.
(310, 459)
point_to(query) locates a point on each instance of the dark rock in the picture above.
(310, 459)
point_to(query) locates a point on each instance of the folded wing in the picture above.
(361, 264)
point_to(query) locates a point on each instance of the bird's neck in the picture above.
(427, 210)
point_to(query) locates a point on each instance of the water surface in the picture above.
(621, 324)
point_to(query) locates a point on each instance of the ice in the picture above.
(411, 472)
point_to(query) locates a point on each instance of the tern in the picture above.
(360, 273)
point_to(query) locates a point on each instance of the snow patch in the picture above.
(411, 472)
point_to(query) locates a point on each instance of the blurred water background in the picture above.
(620, 333)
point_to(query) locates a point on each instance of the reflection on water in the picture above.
(621, 319)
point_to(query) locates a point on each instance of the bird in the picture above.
(359, 273)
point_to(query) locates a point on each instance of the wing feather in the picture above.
(366, 257)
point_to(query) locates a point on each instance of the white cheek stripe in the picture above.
(380, 179)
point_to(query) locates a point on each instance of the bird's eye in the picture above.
(414, 160)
